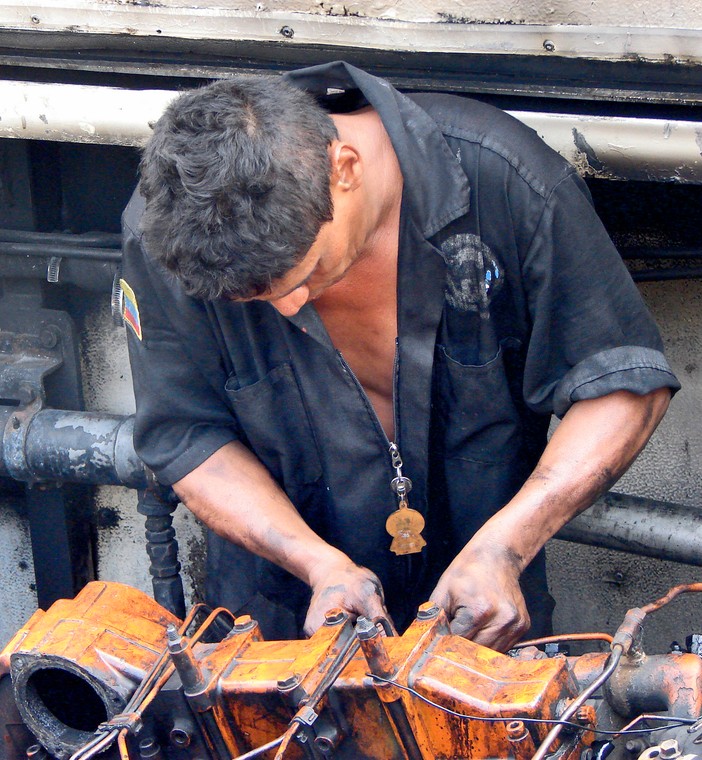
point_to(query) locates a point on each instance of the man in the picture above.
(331, 294)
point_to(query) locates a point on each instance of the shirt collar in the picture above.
(435, 186)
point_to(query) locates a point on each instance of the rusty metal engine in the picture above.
(111, 673)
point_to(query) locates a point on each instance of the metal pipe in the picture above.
(89, 447)
(600, 146)
(646, 254)
(664, 275)
(93, 275)
(641, 526)
(60, 250)
(100, 239)
(78, 447)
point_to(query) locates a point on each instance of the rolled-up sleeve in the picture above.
(591, 331)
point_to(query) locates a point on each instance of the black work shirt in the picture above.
(512, 305)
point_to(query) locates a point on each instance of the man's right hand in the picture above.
(344, 584)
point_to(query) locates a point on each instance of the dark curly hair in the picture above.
(236, 179)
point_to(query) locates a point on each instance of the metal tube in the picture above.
(92, 275)
(641, 526)
(88, 239)
(88, 447)
(78, 447)
(62, 250)
(612, 147)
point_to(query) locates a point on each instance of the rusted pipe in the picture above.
(68, 446)
(640, 526)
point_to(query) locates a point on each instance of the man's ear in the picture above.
(346, 165)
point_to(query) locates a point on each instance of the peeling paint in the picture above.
(89, 129)
(584, 147)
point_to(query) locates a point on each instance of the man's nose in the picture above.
(291, 303)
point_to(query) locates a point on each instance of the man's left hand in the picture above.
(481, 595)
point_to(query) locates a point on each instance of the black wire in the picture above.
(546, 721)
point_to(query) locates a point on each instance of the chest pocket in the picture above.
(477, 413)
(272, 415)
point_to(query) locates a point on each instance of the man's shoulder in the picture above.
(131, 216)
(484, 127)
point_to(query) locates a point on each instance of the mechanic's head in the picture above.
(237, 184)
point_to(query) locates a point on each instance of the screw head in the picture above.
(549, 45)
(428, 611)
(669, 748)
(243, 623)
(288, 32)
(335, 616)
(288, 683)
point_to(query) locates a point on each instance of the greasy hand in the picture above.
(349, 586)
(481, 595)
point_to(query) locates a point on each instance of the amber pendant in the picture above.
(406, 526)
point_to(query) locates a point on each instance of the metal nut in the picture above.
(335, 616)
(428, 611)
(289, 682)
(669, 749)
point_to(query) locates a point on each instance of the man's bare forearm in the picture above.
(589, 451)
(591, 448)
(235, 496)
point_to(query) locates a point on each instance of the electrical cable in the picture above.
(678, 722)
(564, 638)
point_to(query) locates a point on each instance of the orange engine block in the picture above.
(112, 673)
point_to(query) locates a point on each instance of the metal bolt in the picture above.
(516, 730)
(366, 629)
(335, 616)
(586, 715)
(36, 752)
(288, 32)
(243, 623)
(324, 744)
(428, 611)
(181, 733)
(549, 45)
(669, 749)
(149, 748)
(180, 737)
(49, 336)
(288, 683)
(35, 19)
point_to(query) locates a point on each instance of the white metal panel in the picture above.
(607, 30)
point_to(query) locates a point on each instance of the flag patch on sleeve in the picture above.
(130, 309)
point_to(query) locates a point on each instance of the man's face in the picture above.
(325, 263)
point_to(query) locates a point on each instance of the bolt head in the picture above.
(289, 682)
(243, 623)
(669, 749)
(335, 616)
(428, 611)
